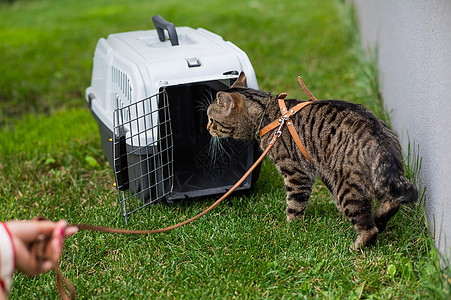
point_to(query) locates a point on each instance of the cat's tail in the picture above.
(406, 191)
(390, 181)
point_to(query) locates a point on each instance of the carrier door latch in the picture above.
(193, 62)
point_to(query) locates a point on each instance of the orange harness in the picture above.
(285, 118)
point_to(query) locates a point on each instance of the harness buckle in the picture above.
(278, 133)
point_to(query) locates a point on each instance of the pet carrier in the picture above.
(147, 94)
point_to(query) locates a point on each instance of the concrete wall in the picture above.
(413, 43)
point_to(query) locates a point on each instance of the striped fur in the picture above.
(354, 153)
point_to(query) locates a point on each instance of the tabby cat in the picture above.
(354, 153)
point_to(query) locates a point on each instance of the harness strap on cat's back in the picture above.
(286, 114)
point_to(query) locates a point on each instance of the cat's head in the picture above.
(237, 111)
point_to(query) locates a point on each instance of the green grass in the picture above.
(242, 249)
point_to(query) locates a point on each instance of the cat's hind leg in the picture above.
(391, 188)
(384, 213)
(396, 192)
(356, 206)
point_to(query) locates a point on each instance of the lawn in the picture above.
(52, 163)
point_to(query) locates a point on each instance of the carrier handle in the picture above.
(160, 25)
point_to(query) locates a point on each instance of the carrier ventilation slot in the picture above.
(227, 82)
(122, 85)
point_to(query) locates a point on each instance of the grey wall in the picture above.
(413, 42)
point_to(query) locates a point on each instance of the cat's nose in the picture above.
(209, 124)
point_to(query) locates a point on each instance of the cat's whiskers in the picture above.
(213, 149)
(203, 103)
(217, 150)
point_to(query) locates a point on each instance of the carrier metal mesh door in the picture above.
(142, 152)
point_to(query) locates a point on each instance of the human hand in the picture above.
(25, 233)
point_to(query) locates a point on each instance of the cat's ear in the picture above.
(226, 101)
(241, 81)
